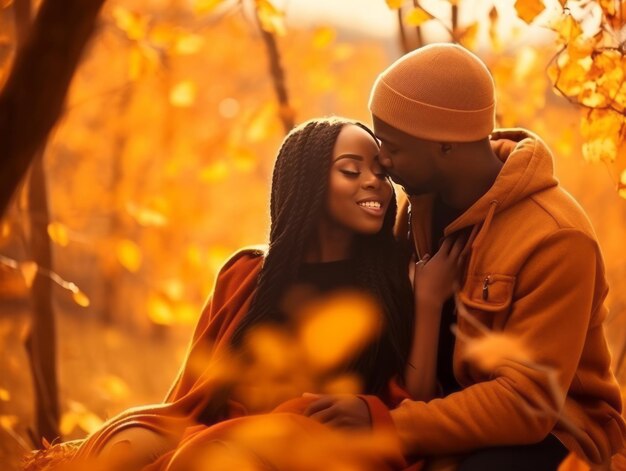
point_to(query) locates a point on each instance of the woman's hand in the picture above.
(437, 277)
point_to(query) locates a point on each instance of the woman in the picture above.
(332, 213)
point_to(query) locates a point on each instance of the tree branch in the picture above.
(32, 99)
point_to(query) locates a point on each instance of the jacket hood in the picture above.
(528, 168)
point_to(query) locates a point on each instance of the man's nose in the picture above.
(384, 159)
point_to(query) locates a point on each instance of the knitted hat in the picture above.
(440, 92)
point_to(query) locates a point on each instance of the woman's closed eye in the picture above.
(350, 173)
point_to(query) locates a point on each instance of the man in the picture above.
(534, 275)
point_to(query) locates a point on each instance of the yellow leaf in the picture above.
(113, 387)
(201, 7)
(189, 44)
(417, 16)
(183, 94)
(174, 289)
(245, 160)
(336, 327)
(58, 233)
(271, 350)
(492, 350)
(608, 7)
(394, 4)
(160, 311)
(567, 28)
(469, 35)
(323, 37)
(621, 188)
(262, 123)
(145, 216)
(601, 132)
(79, 416)
(271, 18)
(496, 44)
(8, 422)
(528, 10)
(4, 395)
(186, 314)
(29, 271)
(80, 298)
(133, 24)
(345, 384)
(129, 255)
(215, 172)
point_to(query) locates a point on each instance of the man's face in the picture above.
(409, 161)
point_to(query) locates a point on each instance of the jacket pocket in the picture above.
(490, 292)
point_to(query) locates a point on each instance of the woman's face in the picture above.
(358, 189)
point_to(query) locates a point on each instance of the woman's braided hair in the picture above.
(298, 196)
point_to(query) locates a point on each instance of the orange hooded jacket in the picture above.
(535, 273)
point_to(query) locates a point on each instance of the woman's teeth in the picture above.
(370, 204)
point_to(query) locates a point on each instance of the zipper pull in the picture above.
(486, 282)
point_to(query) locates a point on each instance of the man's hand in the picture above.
(341, 411)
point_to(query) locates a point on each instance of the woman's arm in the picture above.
(434, 280)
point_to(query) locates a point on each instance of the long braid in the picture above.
(298, 196)
(299, 183)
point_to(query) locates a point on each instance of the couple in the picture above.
(486, 207)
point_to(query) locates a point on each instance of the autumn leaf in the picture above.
(496, 44)
(159, 310)
(79, 416)
(601, 131)
(80, 298)
(468, 36)
(133, 24)
(58, 233)
(337, 326)
(323, 37)
(201, 7)
(417, 16)
(394, 4)
(129, 255)
(146, 217)
(113, 387)
(183, 94)
(566, 27)
(492, 350)
(215, 172)
(271, 18)
(8, 422)
(189, 44)
(528, 10)
(29, 270)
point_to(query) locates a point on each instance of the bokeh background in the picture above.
(160, 165)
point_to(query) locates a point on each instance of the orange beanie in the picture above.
(440, 92)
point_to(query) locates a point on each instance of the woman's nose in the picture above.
(371, 180)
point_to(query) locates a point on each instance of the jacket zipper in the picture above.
(486, 283)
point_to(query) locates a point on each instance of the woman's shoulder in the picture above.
(244, 259)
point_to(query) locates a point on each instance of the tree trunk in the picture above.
(41, 341)
(32, 99)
